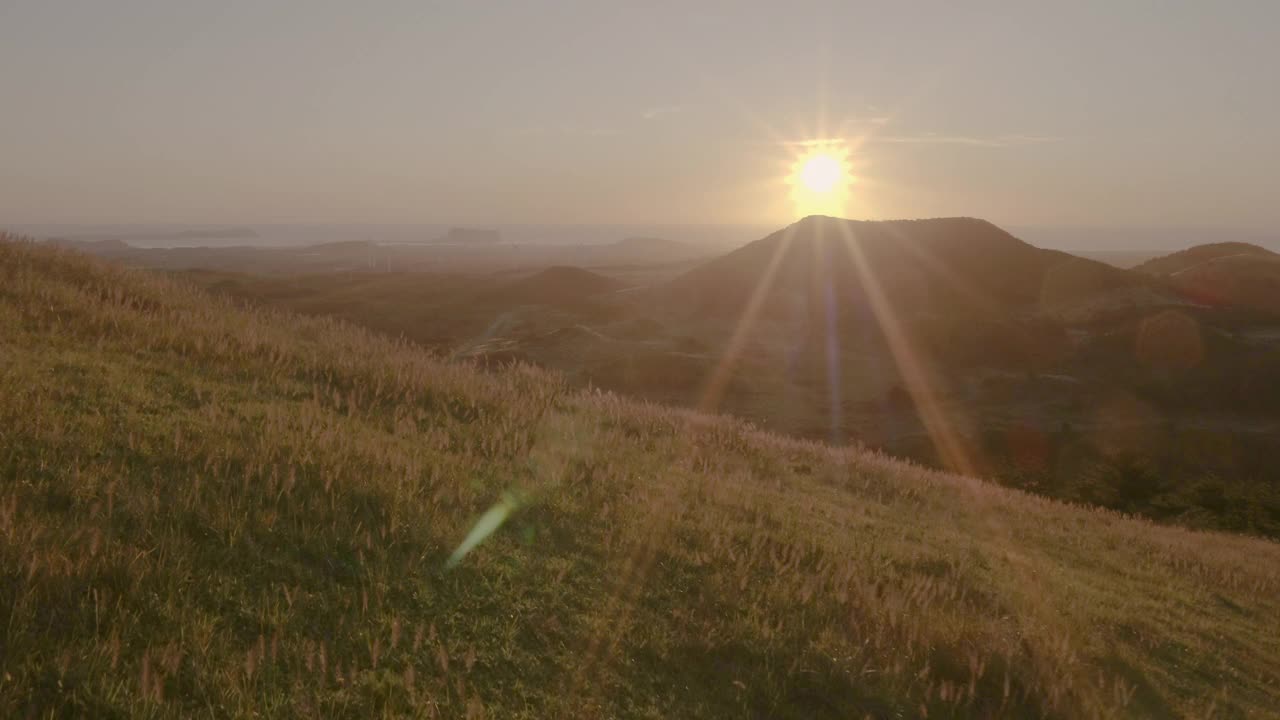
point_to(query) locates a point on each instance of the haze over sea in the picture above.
(713, 237)
(287, 235)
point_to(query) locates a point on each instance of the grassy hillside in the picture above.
(1042, 398)
(212, 512)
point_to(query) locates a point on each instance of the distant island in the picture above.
(470, 236)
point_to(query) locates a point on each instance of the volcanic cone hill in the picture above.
(915, 265)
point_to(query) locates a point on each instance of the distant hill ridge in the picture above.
(649, 243)
(213, 233)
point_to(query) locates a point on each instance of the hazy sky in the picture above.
(1084, 113)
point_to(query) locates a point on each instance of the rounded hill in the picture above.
(1231, 274)
(1189, 258)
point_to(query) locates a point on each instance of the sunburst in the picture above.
(821, 179)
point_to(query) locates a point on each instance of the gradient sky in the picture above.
(1088, 113)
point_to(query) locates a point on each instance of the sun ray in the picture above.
(830, 307)
(713, 390)
(640, 559)
(915, 376)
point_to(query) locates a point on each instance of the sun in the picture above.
(820, 178)
(821, 173)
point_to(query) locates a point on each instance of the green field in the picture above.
(207, 511)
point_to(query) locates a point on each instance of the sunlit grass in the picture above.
(211, 512)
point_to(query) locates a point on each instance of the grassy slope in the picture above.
(207, 511)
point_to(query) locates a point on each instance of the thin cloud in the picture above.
(998, 141)
(538, 130)
(657, 112)
(995, 141)
(815, 142)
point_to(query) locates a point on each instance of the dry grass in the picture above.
(213, 512)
